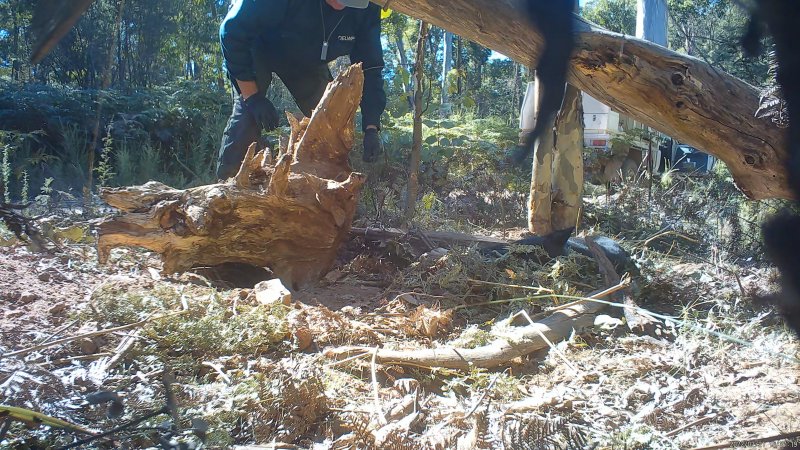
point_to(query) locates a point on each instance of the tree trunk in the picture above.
(416, 146)
(540, 200)
(290, 215)
(651, 25)
(516, 93)
(568, 164)
(651, 21)
(401, 54)
(447, 64)
(678, 95)
(459, 64)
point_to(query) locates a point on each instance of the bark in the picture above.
(678, 95)
(568, 164)
(540, 200)
(290, 215)
(557, 177)
(416, 146)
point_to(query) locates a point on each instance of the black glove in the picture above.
(373, 146)
(262, 111)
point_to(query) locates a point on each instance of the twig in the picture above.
(483, 396)
(553, 347)
(123, 347)
(196, 176)
(699, 421)
(342, 361)
(4, 428)
(623, 284)
(342, 410)
(516, 286)
(77, 358)
(667, 233)
(218, 368)
(58, 331)
(604, 293)
(88, 335)
(752, 442)
(375, 393)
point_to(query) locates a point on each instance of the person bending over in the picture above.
(295, 40)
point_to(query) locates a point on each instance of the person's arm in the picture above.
(368, 51)
(245, 21)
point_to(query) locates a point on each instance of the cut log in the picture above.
(290, 216)
(678, 95)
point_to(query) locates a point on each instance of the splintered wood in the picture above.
(290, 215)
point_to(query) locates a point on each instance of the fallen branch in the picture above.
(553, 347)
(517, 342)
(66, 340)
(520, 342)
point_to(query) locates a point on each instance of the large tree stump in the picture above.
(289, 215)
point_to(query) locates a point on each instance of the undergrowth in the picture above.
(210, 327)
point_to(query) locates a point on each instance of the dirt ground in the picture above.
(615, 390)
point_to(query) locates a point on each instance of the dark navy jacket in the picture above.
(292, 30)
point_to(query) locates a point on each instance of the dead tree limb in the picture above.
(511, 343)
(522, 341)
(676, 94)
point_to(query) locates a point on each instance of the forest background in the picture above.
(137, 92)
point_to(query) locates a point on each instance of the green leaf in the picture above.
(469, 102)
(431, 140)
(427, 154)
(404, 75)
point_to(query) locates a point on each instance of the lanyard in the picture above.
(324, 54)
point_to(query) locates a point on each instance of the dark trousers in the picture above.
(306, 84)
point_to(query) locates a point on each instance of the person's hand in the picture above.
(373, 146)
(262, 111)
